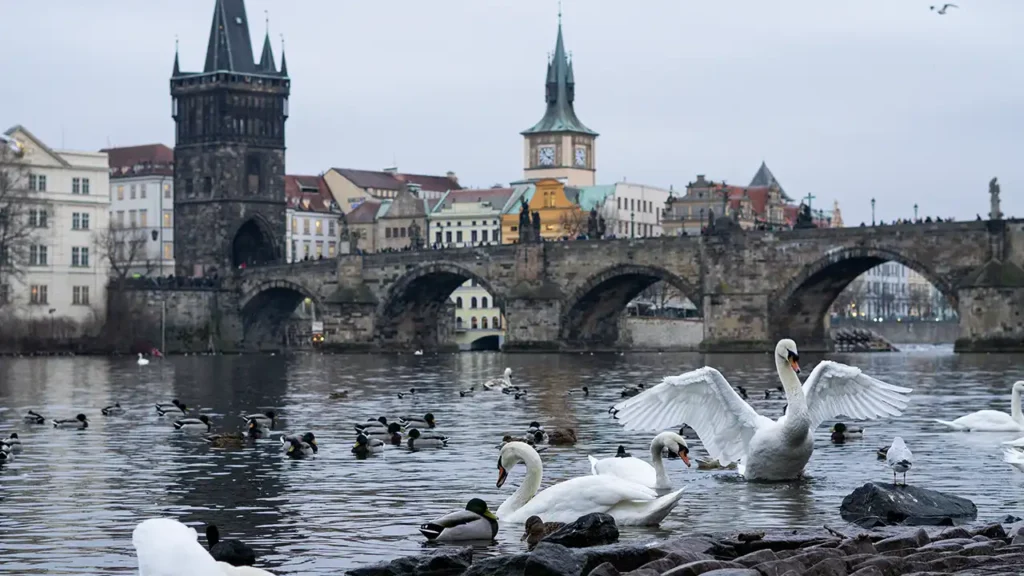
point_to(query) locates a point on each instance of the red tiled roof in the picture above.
(147, 159)
(365, 213)
(756, 195)
(393, 181)
(432, 183)
(498, 197)
(307, 193)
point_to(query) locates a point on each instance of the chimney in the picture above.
(391, 170)
(451, 176)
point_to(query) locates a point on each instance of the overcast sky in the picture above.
(846, 100)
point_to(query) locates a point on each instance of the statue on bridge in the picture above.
(524, 222)
(993, 192)
(415, 236)
(804, 219)
(592, 225)
(535, 228)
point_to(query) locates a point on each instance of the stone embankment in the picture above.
(965, 551)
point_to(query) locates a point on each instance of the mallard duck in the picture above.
(425, 422)
(562, 437)
(767, 394)
(13, 440)
(381, 422)
(841, 433)
(307, 438)
(467, 392)
(112, 410)
(537, 529)
(585, 391)
(227, 440)
(476, 522)
(194, 423)
(173, 411)
(254, 430)
(298, 449)
(233, 552)
(5, 456)
(621, 452)
(631, 391)
(339, 395)
(404, 394)
(742, 392)
(534, 439)
(79, 421)
(266, 420)
(417, 440)
(164, 407)
(393, 434)
(534, 427)
(34, 418)
(713, 464)
(882, 452)
(365, 446)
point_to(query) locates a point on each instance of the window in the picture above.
(133, 192)
(472, 236)
(458, 302)
(483, 302)
(332, 249)
(472, 302)
(120, 192)
(495, 236)
(305, 225)
(403, 231)
(458, 323)
(142, 218)
(142, 190)
(319, 249)
(618, 203)
(76, 185)
(458, 236)
(330, 228)
(483, 235)
(167, 219)
(319, 227)
(387, 232)
(473, 323)
(37, 255)
(37, 294)
(448, 236)
(305, 250)
(131, 218)
(495, 323)
(167, 190)
(37, 218)
(5, 293)
(120, 218)
(208, 186)
(295, 225)
(168, 251)
(80, 295)
(85, 186)
(79, 257)
(37, 182)
(79, 220)
(437, 237)
(483, 322)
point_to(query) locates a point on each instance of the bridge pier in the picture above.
(533, 324)
(990, 311)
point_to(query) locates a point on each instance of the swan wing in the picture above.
(835, 389)
(703, 400)
(166, 547)
(567, 501)
(631, 469)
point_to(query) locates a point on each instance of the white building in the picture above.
(629, 210)
(313, 226)
(892, 291)
(142, 208)
(64, 275)
(464, 218)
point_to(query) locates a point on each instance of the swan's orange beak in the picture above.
(685, 458)
(795, 365)
(502, 475)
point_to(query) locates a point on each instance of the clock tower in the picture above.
(560, 146)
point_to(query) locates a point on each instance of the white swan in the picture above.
(142, 361)
(639, 471)
(629, 503)
(993, 420)
(1014, 458)
(733, 432)
(500, 383)
(166, 547)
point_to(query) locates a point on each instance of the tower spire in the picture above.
(560, 92)
(267, 56)
(177, 68)
(229, 48)
(284, 63)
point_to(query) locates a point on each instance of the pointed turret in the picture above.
(560, 91)
(177, 68)
(764, 177)
(267, 57)
(284, 62)
(229, 48)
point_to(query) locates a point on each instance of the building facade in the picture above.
(629, 210)
(352, 187)
(751, 206)
(463, 218)
(314, 219)
(479, 324)
(229, 162)
(142, 208)
(892, 292)
(58, 272)
(560, 217)
(559, 145)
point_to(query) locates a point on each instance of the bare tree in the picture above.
(125, 251)
(920, 298)
(573, 221)
(22, 213)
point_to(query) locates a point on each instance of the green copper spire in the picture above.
(559, 94)
(267, 57)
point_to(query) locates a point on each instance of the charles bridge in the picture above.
(750, 287)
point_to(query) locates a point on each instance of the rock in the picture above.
(887, 566)
(955, 532)
(814, 556)
(948, 564)
(979, 549)
(859, 545)
(1010, 519)
(549, 559)
(513, 565)
(947, 545)
(442, 562)
(868, 571)
(624, 557)
(665, 564)
(606, 569)
(827, 567)
(690, 545)
(905, 505)
(749, 536)
(755, 558)
(922, 556)
(733, 572)
(1018, 538)
(588, 530)
(903, 541)
(778, 567)
(701, 567)
(990, 531)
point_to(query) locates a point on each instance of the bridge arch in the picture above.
(266, 309)
(590, 314)
(800, 309)
(253, 243)
(410, 314)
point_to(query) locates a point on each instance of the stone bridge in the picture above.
(751, 287)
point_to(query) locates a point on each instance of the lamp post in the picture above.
(632, 224)
(915, 211)
(872, 211)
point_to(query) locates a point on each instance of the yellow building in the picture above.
(560, 217)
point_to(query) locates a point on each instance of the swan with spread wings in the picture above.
(732, 431)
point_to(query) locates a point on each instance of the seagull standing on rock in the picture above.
(899, 458)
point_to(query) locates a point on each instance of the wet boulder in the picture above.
(589, 530)
(875, 503)
(442, 562)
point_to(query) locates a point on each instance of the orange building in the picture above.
(560, 218)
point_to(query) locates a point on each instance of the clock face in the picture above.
(581, 156)
(546, 155)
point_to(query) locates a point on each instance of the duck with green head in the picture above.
(365, 446)
(417, 440)
(841, 433)
(476, 522)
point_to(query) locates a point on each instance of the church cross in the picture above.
(809, 197)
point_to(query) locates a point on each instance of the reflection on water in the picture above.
(70, 500)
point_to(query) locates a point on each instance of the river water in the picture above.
(70, 500)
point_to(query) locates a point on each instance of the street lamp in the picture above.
(632, 225)
(915, 211)
(872, 211)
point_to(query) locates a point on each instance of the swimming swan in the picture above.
(993, 420)
(639, 471)
(629, 503)
(732, 431)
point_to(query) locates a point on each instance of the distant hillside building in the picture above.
(142, 198)
(313, 226)
(351, 187)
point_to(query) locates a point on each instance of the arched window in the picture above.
(472, 303)
(458, 302)
(496, 322)
(472, 323)
(458, 323)
(483, 302)
(483, 322)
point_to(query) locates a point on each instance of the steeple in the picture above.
(177, 68)
(560, 91)
(284, 63)
(229, 48)
(267, 57)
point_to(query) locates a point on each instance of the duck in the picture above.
(142, 361)
(308, 438)
(254, 430)
(467, 392)
(841, 433)
(767, 394)
(173, 411)
(393, 431)
(404, 394)
(476, 522)
(1014, 458)
(585, 391)
(534, 427)
(732, 431)
(713, 464)
(562, 437)
(298, 449)
(742, 392)
(12, 440)
(381, 422)
(267, 419)
(112, 410)
(203, 421)
(227, 440)
(233, 552)
(164, 407)
(537, 529)
(80, 422)
(426, 422)
(5, 456)
(629, 503)
(417, 440)
(365, 446)
(993, 420)
(899, 458)
(339, 395)
(500, 383)
(33, 418)
(621, 452)
(166, 547)
(632, 391)
(532, 439)
(641, 472)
